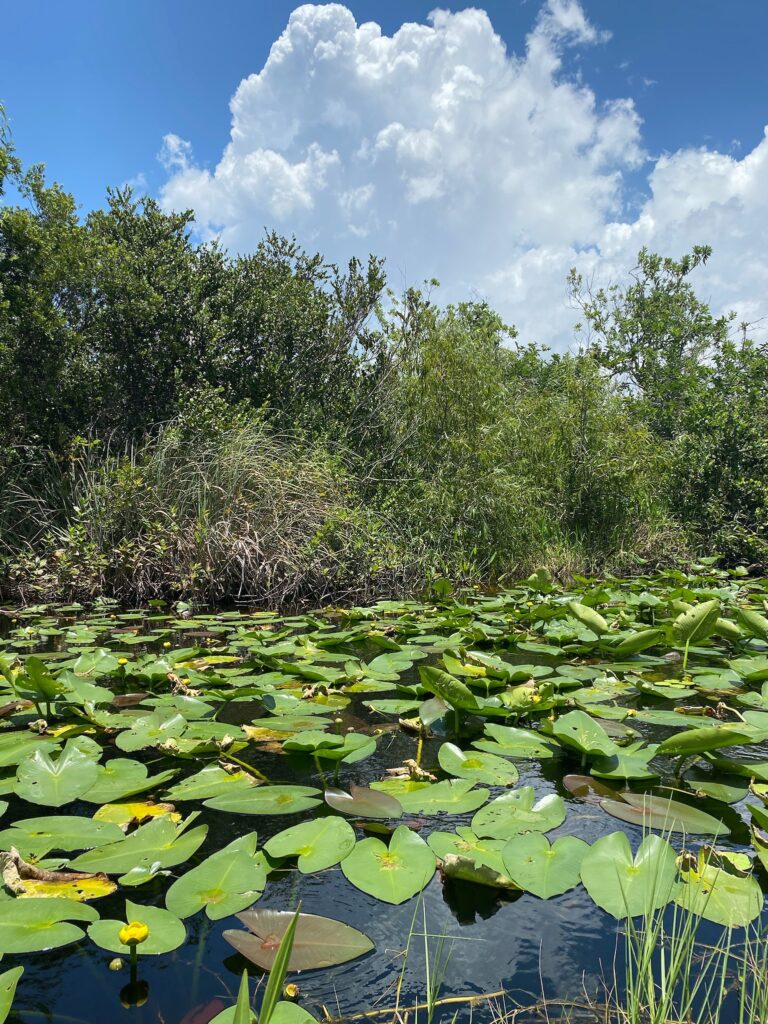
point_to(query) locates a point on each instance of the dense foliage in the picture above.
(177, 419)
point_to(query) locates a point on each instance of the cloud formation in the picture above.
(454, 158)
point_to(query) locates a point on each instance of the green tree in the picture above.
(654, 334)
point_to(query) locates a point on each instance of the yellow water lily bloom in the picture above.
(122, 661)
(133, 933)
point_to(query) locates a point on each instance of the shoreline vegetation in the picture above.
(182, 422)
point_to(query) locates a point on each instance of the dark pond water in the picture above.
(562, 948)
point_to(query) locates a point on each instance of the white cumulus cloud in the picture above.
(491, 170)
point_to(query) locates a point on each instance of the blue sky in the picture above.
(93, 87)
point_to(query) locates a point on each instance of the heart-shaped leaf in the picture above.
(626, 886)
(362, 802)
(229, 880)
(518, 811)
(166, 931)
(393, 874)
(319, 844)
(317, 941)
(543, 869)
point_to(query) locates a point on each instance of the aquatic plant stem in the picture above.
(248, 767)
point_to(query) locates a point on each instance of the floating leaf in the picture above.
(122, 777)
(510, 741)
(581, 732)
(135, 812)
(543, 869)
(317, 942)
(43, 780)
(166, 932)
(229, 880)
(267, 800)
(477, 766)
(8, 982)
(663, 813)
(160, 842)
(29, 926)
(464, 869)
(37, 837)
(717, 894)
(361, 802)
(452, 796)
(212, 781)
(627, 886)
(697, 741)
(515, 812)
(393, 874)
(319, 844)
(465, 844)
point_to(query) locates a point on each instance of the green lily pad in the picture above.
(319, 844)
(478, 766)
(166, 931)
(581, 732)
(465, 844)
(543, 869)
(392, 874)
(122, 777)
(663, 813)
(36, 837)
(267, 800)
(210, 782)
(518, 811)
(716, 894)
(8, 982)
(510, 741)
(41, 779)
(160, 842)
(697, 741)
(228, 881)
(30, 926)
(452, 796)
(627, 886)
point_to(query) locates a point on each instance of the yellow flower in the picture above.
(291, 992)
(122, 661)
(167, 644)
(133, 933)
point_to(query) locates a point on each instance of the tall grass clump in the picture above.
(238, 511)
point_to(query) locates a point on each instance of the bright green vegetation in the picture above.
(645, 700)
(178, 421)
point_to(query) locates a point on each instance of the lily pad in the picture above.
(478, 766)
(627, 886)
(543, 869)
(29, 926)
(319, 844)
(166, 931)
(392, 874)
(42, 779)
(452, 796)
(362, 802)
(228, 881)
(267, 800)
(663, 813)
(317, 942)
(518, 811)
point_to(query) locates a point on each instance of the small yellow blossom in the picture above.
(167, 644)
(291, 991)
(122, 661)
(133, 933)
